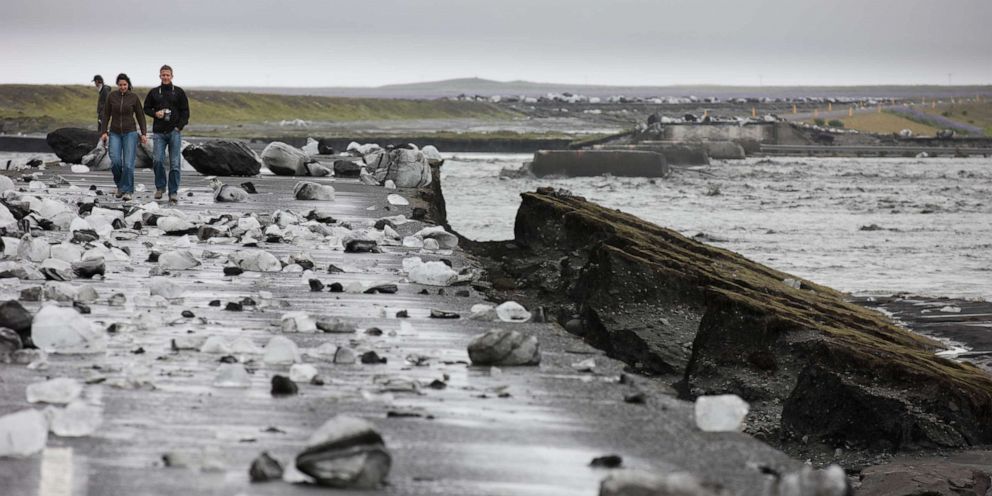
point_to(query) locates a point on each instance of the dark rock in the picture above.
(87, 269)
(936, 477)
(188, 314)
(418, 213)
(334, 269)
(82, 308)
(336, 287)
(316, 285)
(346, 168)
(316, 381)
(71, 144)
(463, 293)
(441, 314)
(285, 160)
(10, 341)
(321, 216)
(249, 187)
(233, 306)
(153, 256)
(504, 348)
(228, 359)
(437, 384)
(607, 461)
(372, 358)
(32, 294)
(324, 146)
(214, 303)
(382, 223)
(283, 386)
(248, 302)
(382, 288)
(84, 236)
(346, 453)
(204, 233)
(361, 246)
(14, 316)
(233, 271)
(373, 331)
(264, 468)
(637, 398)
(402, 314)
(223, 158)
(335, 326)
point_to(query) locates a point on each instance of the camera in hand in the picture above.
(166, 114)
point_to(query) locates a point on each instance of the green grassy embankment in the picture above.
(40, 108)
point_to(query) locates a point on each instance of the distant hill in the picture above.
(487, 87)
(36, 108)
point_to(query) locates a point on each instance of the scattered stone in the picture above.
(440, 314)
(607, 461)
(283, 386)
(306, 190)
(382, 288)
(419, 213)
(233, 306)
(88, 269)
(335, 326)
(344, 356)
(214, 303)
(230, 194)
(249, 187)
(336, 287)
(361, 246)
(637, 398)
(346, 453)
(316, 285)
(504, 348)
(14, 316)
(233, 271)
(265, 468)
(372, 358)
(720, 413)
(285, 160)
(395, 199)
(10, 342)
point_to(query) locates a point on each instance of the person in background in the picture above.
(168, 105)
(101, 100)
(120, 120)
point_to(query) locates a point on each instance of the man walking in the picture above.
(168, 105)
(101, 100)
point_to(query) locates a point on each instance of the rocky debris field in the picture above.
(250, 338)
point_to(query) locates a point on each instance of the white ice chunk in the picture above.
(720, 413)
(512, 311)
(302, 372)
(433, 274)
(60, 390)
(75, 420)
(63, 330)
(297, 322)
(23, 433)
(232, 375)
(281, 350)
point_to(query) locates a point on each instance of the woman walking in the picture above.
(122, 109)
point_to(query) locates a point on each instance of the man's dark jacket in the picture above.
(102, 100)
(167, 97)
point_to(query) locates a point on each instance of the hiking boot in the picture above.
(118, 193)
(126, 197)
(159, 193)
(173, 199)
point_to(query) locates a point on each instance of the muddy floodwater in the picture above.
(862, 225)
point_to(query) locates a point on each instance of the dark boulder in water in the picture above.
(575, 163)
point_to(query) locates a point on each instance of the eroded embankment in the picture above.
(813, 365)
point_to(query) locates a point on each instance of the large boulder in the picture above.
(573, 163)
(72, 143)
(285, 160)
(223, 158)
(407, 168)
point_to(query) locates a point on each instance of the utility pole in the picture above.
(949, 78)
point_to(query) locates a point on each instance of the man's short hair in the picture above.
(165, 68)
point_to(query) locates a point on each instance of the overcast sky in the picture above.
(376, 42)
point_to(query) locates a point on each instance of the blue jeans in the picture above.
(174, 141)
(122, 150)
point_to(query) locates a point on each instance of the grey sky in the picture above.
(375, 42)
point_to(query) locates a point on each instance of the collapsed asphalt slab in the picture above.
(451, 428)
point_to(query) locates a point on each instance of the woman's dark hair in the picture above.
(124, 77)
